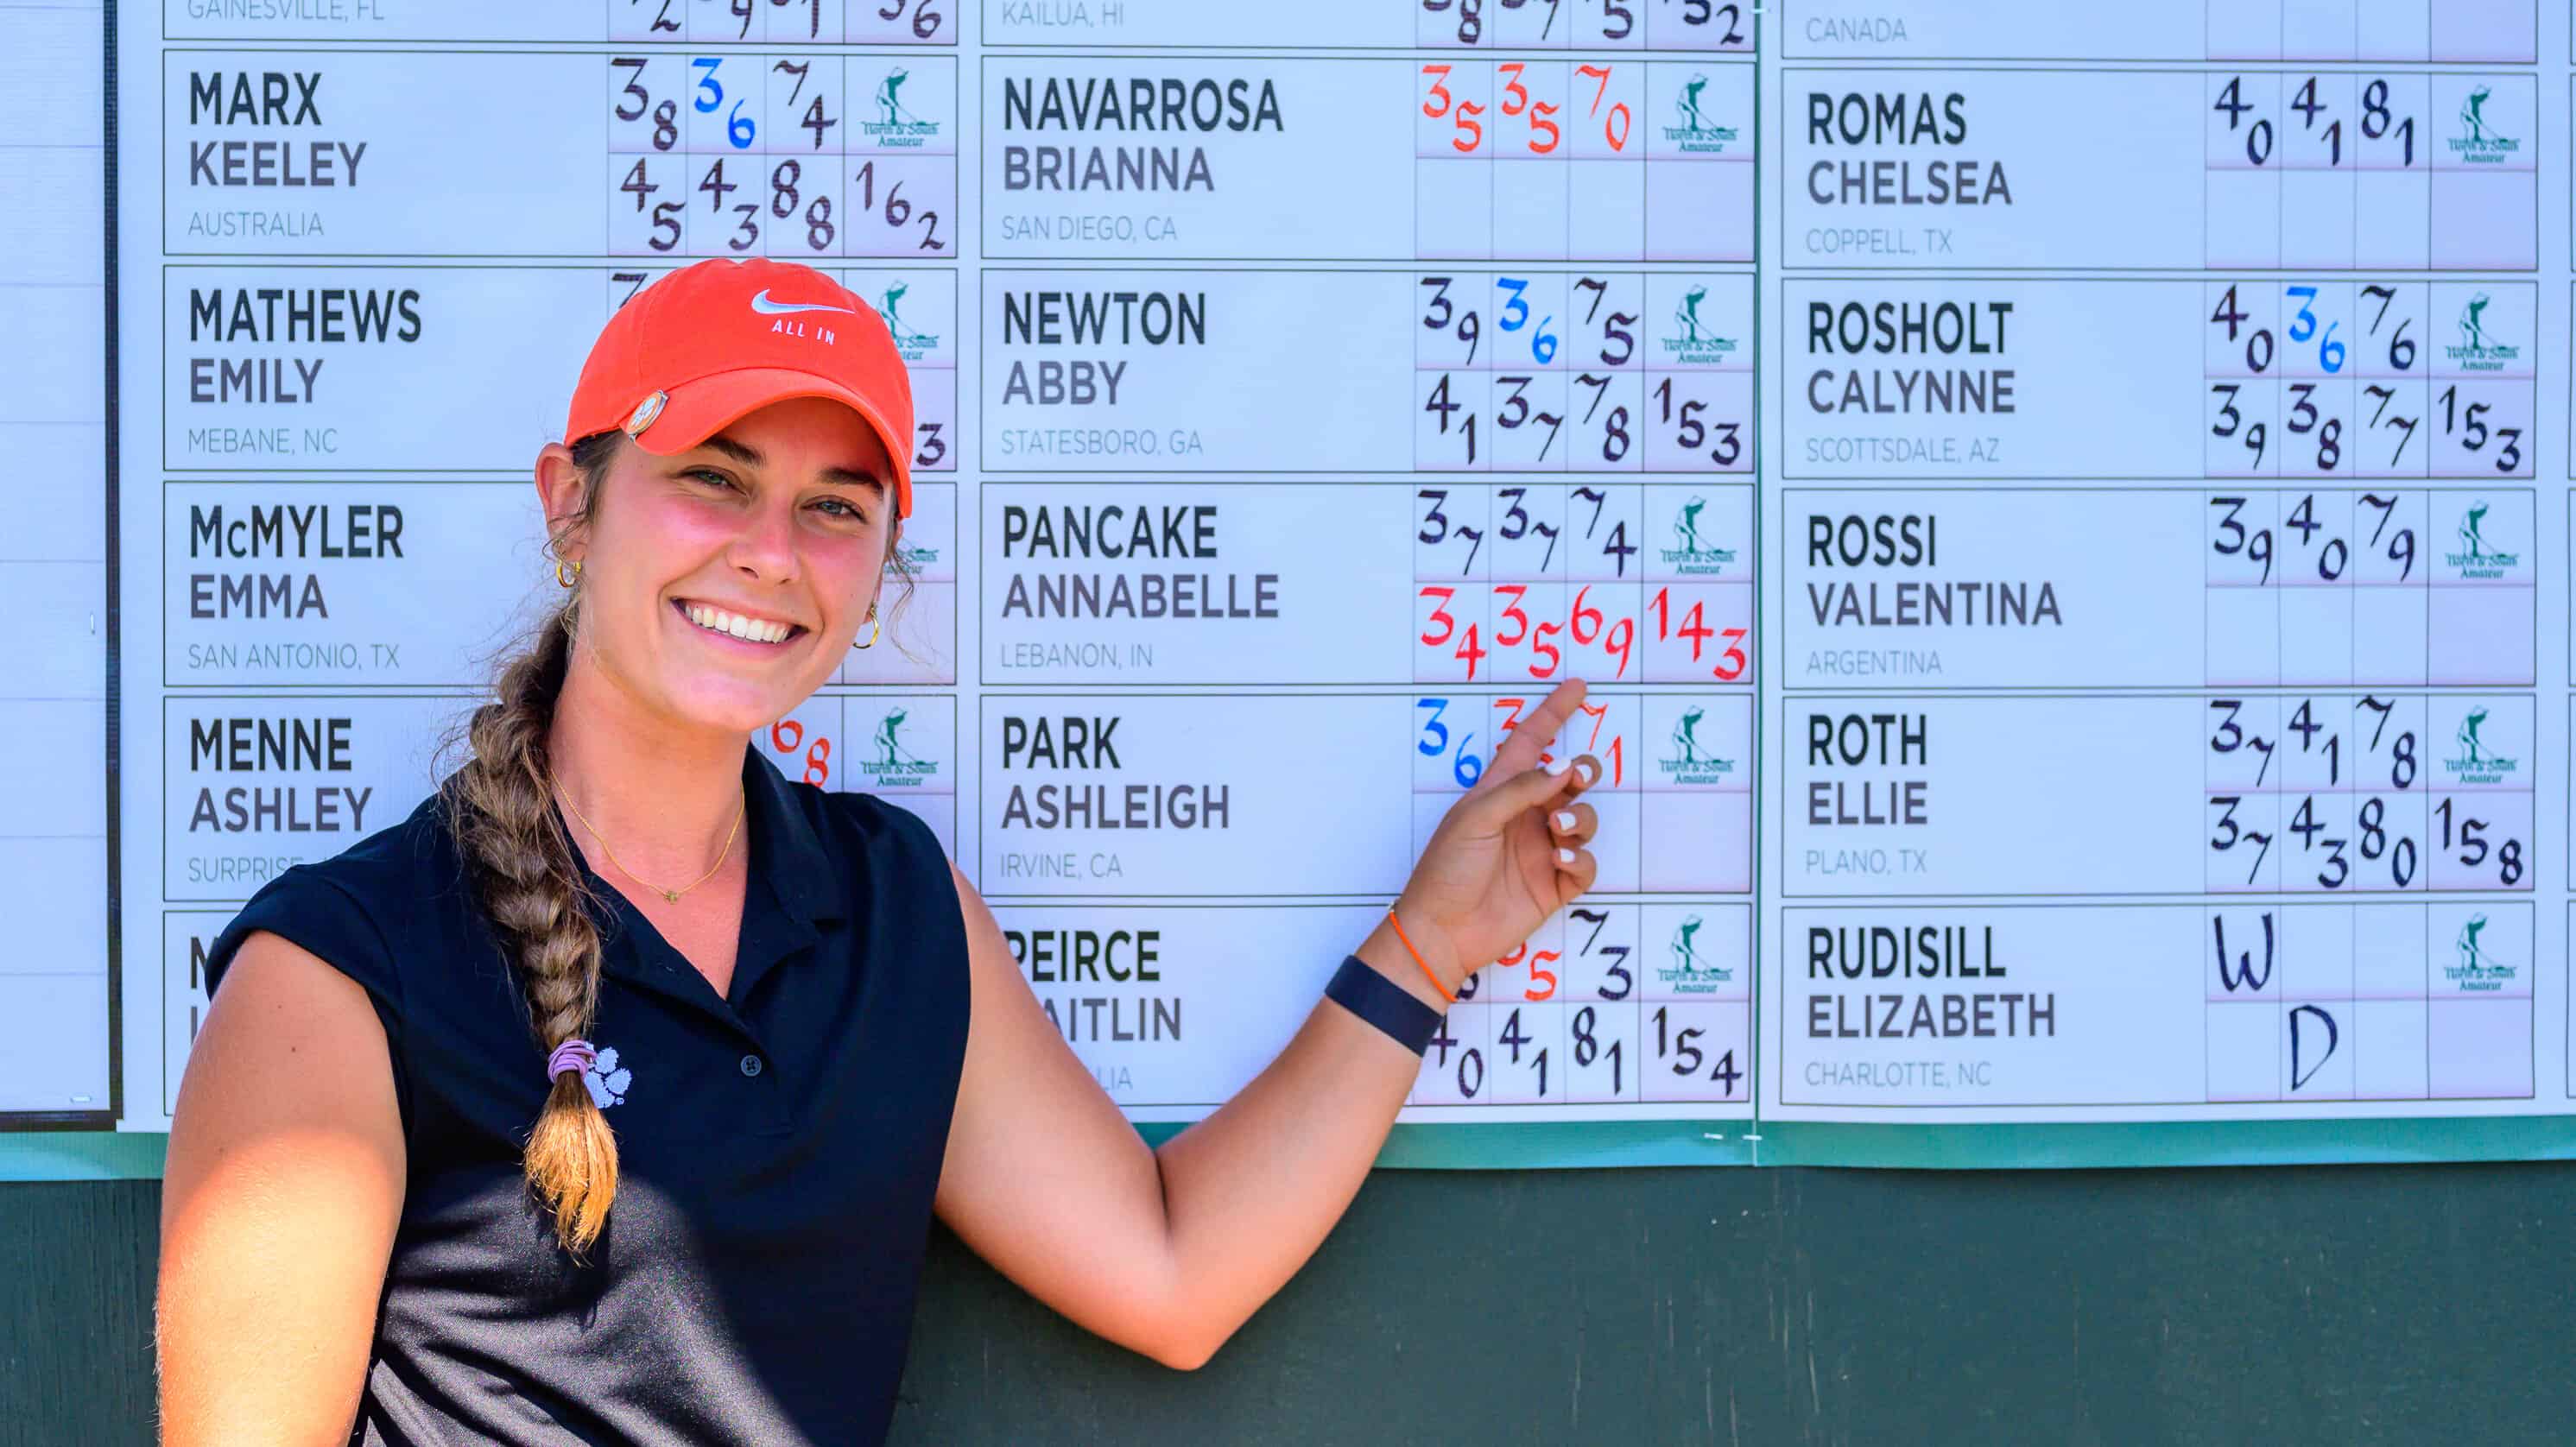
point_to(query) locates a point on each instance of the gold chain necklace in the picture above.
(673, 895)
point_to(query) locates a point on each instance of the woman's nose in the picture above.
(766, 547)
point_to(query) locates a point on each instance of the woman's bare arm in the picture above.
(1046, 1180)
(278, 1205)
(1168, 1252)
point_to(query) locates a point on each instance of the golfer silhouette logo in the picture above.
(2469, 735)
(1683, 950)
(890, 754)
(2473, 961)
(2473, 115)
(1688, 315)
(2473, 323)
(606, 1079)
(1685, 735)
(2482, 141)
(889, 98)
(1687, 103)
(2471, 536)
(890, 307)
(1694, 129)
(1686, 529)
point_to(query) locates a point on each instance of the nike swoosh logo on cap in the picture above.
(763, 305)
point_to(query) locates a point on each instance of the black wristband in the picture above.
(1382, 1002)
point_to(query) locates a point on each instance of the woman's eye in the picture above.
(843, 509)
(717, 479)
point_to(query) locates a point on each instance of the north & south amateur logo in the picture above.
(2475, 555)
(1693, 554)
(1693, 131)
(2476, 761)
(1690, 762)
(1693, 339)
(2479, 143)
(893, 125)
(2474, 966)
(913, 343)
(1686, 969)
(890, 763)
(2478, 350)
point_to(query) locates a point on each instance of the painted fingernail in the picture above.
(1556, 766)
(1565, 820)
(1587, 773)
(1565, 857)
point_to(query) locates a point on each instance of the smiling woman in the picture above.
(610, 1096)
(637, 526)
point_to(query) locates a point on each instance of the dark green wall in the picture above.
(2343, 1304)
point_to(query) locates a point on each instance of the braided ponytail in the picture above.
(499, 806)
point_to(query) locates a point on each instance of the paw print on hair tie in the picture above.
(607, 1080)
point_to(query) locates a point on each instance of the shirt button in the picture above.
(751, 1065)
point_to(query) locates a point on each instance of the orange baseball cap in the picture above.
(710, 342)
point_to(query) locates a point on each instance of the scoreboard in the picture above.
(2156, 525)
(2054, 506)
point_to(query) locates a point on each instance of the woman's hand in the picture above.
(1512, 851)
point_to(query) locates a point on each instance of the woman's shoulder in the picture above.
(348, 911)
(879, 850)
(852, 823)
(896, 900)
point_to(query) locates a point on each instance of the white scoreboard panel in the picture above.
(1292, 397)
(2054, 505)
(2169, 657)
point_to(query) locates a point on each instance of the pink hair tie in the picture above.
(575, 1055)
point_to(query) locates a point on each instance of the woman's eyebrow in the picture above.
(846, 477)
(750, 456)
(746, 455)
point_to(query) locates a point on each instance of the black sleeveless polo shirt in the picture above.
(778, 1149)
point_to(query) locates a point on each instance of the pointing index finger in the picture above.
(1535, 730)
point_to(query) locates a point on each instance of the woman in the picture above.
(608, 1097)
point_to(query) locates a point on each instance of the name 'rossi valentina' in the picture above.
(1911, 541)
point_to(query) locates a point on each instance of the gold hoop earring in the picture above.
(876, 630)
(559, 573)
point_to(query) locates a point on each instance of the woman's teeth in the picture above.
(719, 621)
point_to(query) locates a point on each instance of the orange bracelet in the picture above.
(1417, 957)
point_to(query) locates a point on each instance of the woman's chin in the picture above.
(730, 705)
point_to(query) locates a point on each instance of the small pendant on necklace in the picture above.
(672, 895)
